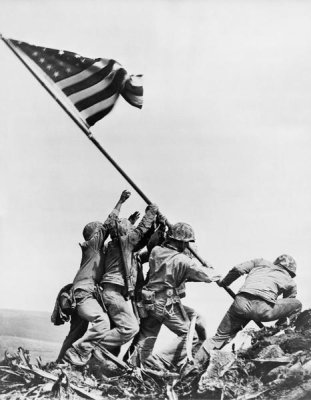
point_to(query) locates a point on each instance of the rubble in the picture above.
(277, 366)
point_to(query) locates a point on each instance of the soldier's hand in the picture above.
(161, 219)
(134, 217)
(153, 208)
(124, 196)
(219, 283)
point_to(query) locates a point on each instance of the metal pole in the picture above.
(81, 124)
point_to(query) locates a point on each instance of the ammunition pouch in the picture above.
(174, 298)
(148, 299)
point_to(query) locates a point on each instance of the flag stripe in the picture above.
(96, 117)
(114, 87)
(100, 106)
(103, 84)
(99, 63)
(89, 81)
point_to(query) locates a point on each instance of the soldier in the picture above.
(119, 278)
(169, 269)
(88, 308)
(257, 299)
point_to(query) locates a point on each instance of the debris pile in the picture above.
(276, 366)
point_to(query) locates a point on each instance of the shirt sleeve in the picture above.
(112, 217)
(143, 227)
(198, 273)
(239, 270)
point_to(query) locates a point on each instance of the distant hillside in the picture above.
(32, 330)
(31, 325)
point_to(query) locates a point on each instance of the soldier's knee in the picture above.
(129, 331)
(298, 305)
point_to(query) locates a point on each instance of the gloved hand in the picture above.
(219, 282)
(134, 217)
(153, 208)
(161, 219)
(124, 196)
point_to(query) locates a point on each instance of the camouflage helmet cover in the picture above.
(182, 232)
(90, 229)
(288, 262)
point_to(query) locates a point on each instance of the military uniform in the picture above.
(125, 324)
(169, 270)
(88, 308)
(257, 299)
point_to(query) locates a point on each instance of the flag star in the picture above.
(42, 60)
(35, 53)
(49, 67)
(56, 74)
(61, 52)
(68, 69)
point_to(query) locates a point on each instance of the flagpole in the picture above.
(81, 124)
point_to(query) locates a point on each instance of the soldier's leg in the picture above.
(282, 309)
(176, 320)
(78, 327)
(169, 354)
(235, 319)
(122, 316)
(144, 341)
(90, 310)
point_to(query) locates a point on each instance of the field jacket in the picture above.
(170, 269)
(92, 262)
(264, 280)
(131, 242)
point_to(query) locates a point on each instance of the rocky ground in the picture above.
(276, 366)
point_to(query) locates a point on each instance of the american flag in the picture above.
(92, 85)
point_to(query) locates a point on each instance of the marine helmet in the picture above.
(182, 232)
(90, 229)
(286, 261)
(124, 227)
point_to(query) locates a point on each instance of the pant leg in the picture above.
(144, 341)
(122, 316)
(179, 323)
(90, 310)
(170, 355)
(199, 324)
(235, 319)
(78, 327)
(283, 308)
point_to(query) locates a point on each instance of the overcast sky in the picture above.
(223, 141)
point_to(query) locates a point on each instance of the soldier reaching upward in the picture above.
(84, 289)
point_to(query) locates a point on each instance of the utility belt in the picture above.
(149, 298)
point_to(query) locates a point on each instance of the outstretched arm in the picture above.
(116, 210)
(124, 196)
(238, 271)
